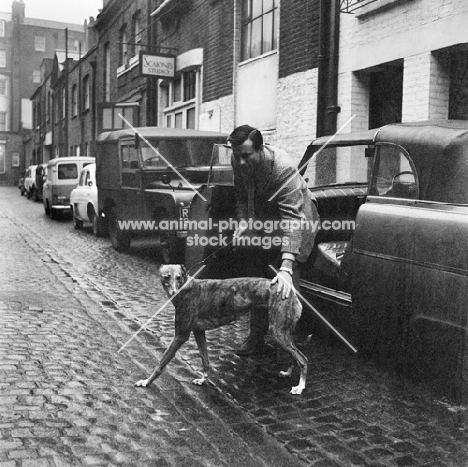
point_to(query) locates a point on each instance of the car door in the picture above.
(132, 202)
(81, 195)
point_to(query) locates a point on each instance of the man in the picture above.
(262, 172)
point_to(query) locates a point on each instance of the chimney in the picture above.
(17, 10)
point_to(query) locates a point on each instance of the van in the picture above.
(62, 177)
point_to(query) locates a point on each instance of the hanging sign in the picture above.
(157, 65)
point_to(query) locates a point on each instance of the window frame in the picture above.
(3, 124)
(2, 28)
(124, 49)
(86, 93)
(39, 43)
(174, 107)
(247, 20)
(74, 100)
(3, 58)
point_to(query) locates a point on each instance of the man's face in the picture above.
(245, 155)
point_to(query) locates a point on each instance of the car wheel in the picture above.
(97, 225)
(173, 249)
(77, 223)
(120, 240)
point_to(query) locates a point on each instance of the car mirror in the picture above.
(166, 179)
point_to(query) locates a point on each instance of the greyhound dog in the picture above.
(208, 304)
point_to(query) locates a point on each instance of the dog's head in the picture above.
(173, 277)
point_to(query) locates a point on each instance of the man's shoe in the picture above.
(251, 346)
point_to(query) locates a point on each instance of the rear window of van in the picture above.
(67, 171)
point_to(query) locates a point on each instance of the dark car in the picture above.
(146, 181)
(390, 263)
(21, 184)
(41, 177)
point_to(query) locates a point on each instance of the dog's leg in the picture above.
(200, 338)
(176, 344)
(287, 343)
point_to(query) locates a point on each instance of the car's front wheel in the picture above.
(77, 223)
(120, 240)
(98, 229)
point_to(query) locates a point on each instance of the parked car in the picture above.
(41, 177)
(21, 184)
(30, 181)
(151, 176)
(390, 264)
(84, 201)
(62, 177)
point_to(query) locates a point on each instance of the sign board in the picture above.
(157, 65)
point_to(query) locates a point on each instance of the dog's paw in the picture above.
(296, 390)
(142, 383)
(199, 381)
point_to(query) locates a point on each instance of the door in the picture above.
(132, 200)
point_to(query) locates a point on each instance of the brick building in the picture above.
(24, 44)
(294, 70)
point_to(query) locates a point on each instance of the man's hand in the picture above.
(243, 226)
(285, 284)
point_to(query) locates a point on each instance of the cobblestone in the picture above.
(79, 301)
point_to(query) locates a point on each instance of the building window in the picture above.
(107, 73)
(74, 100)
(3, 58)
(179, 100)
(3, 90)
(86, 93)
(136, 33)
(39, 43)
(36, 76)
(259, 27)
(123, 45)
(64, 103)
(3, 120)
(49, 106)
(2, 158)
(2, 28)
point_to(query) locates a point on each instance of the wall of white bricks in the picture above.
(409, 31)
(217, 115)
(296, 113)
(425, 88)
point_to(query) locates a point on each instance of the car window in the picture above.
(67, 171)
(393, 174)
(129, 157)
(82, 177)
(87, 179)
(177, 152)
(348, 165)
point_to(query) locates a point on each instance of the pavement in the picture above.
(69, 302)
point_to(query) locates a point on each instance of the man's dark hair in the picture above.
(243, 132)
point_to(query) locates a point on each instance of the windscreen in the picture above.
(162, 153)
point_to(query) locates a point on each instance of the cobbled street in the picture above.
(69, 302)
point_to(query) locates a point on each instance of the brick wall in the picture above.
(299, 36)
(296, 113)
(408, 31)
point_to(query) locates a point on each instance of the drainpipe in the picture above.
(327, 108)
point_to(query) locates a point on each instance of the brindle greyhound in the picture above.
(209, 304)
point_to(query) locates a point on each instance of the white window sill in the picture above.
(375, 6)
(250, 60)
(132, 63)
